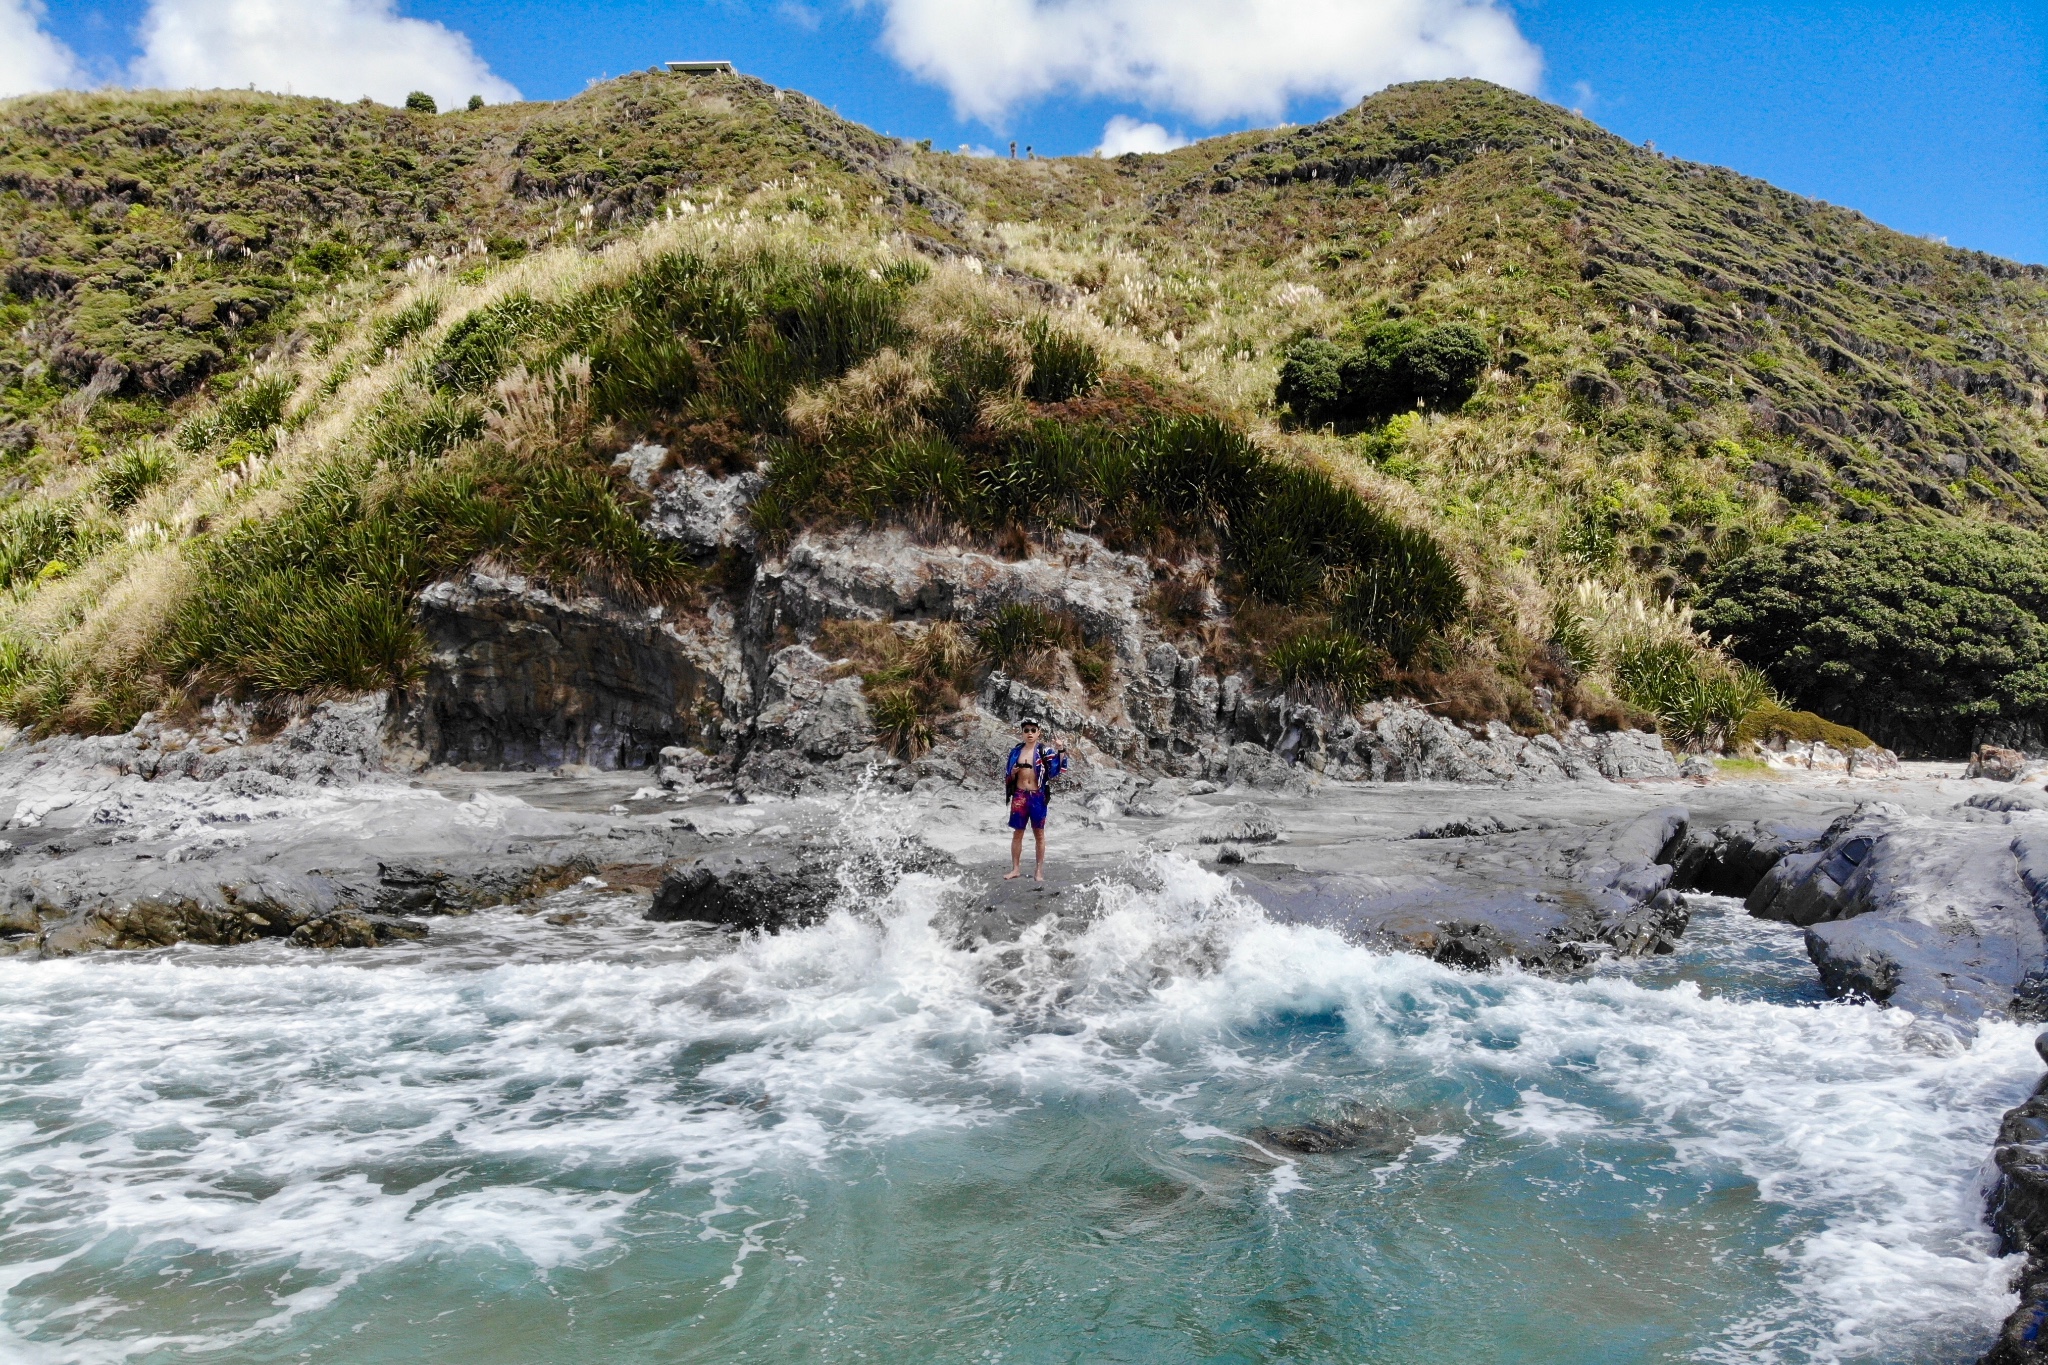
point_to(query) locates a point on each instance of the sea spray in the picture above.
(531, 1142)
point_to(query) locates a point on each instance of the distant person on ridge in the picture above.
(1028, 774)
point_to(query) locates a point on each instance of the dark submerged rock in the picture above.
(1365, 1129)
(1471, 827)
(355, 931)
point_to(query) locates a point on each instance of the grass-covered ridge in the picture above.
(1634, 375)
(872, 389)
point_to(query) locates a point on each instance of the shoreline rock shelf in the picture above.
(336, 833)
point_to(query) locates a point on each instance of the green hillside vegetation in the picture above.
(273, 364)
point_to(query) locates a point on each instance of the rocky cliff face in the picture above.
(520, 676)
(524, 676)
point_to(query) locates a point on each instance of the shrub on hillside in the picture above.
(1922, 636)
(1394, 367)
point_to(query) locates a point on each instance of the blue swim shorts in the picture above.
(1027, 806)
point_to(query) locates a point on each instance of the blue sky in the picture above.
(1931, 118)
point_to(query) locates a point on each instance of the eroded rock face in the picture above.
(701, 512)
(523, 676)
(520, 676)
(1732, 859)
(2019, 1214)
(1397, 742)
(1819, 756)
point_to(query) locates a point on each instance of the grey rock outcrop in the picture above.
(95, 856)
(524, 675)
(1552, 903)
(1942, 917)
(333, 743)
(1364, 1129)
(1997, 764)
(1820, 756)
(699, 511)
(1470, 827)
(1400, 742)
(2014, 802)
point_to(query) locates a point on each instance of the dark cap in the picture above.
(1031, 721)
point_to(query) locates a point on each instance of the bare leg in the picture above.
(1017, 855)
(1038, 834)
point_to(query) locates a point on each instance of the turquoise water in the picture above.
(616, 1141)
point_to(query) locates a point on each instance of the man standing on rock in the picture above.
(1028, 774)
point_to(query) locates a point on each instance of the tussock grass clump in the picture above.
(411, 427)
(257, 404)
(40, 540)
(1018, 635)
(1701, 699)
(1330, 669)
(911, 677)
(1648, 655)
(1063, 365)
(477, 349)
(124, 477)
(405, 323)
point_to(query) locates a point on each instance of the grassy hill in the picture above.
(223, 308)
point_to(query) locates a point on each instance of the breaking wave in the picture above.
(601, 1138)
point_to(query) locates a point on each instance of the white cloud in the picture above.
(1125, 134)
(800, 14)
(31, 59)
(344, 49)
(1210, 59)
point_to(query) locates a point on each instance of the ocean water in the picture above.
(614, 1141)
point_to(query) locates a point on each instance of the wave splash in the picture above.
(769, 1140)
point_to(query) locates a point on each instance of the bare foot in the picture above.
(1013, 874)
(1041, 875)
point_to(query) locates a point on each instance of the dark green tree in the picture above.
(420, 102)
(1926, 637)
(476, 102)
(1312, 380)
(1394, 367)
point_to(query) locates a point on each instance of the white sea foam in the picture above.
(332, 1117)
